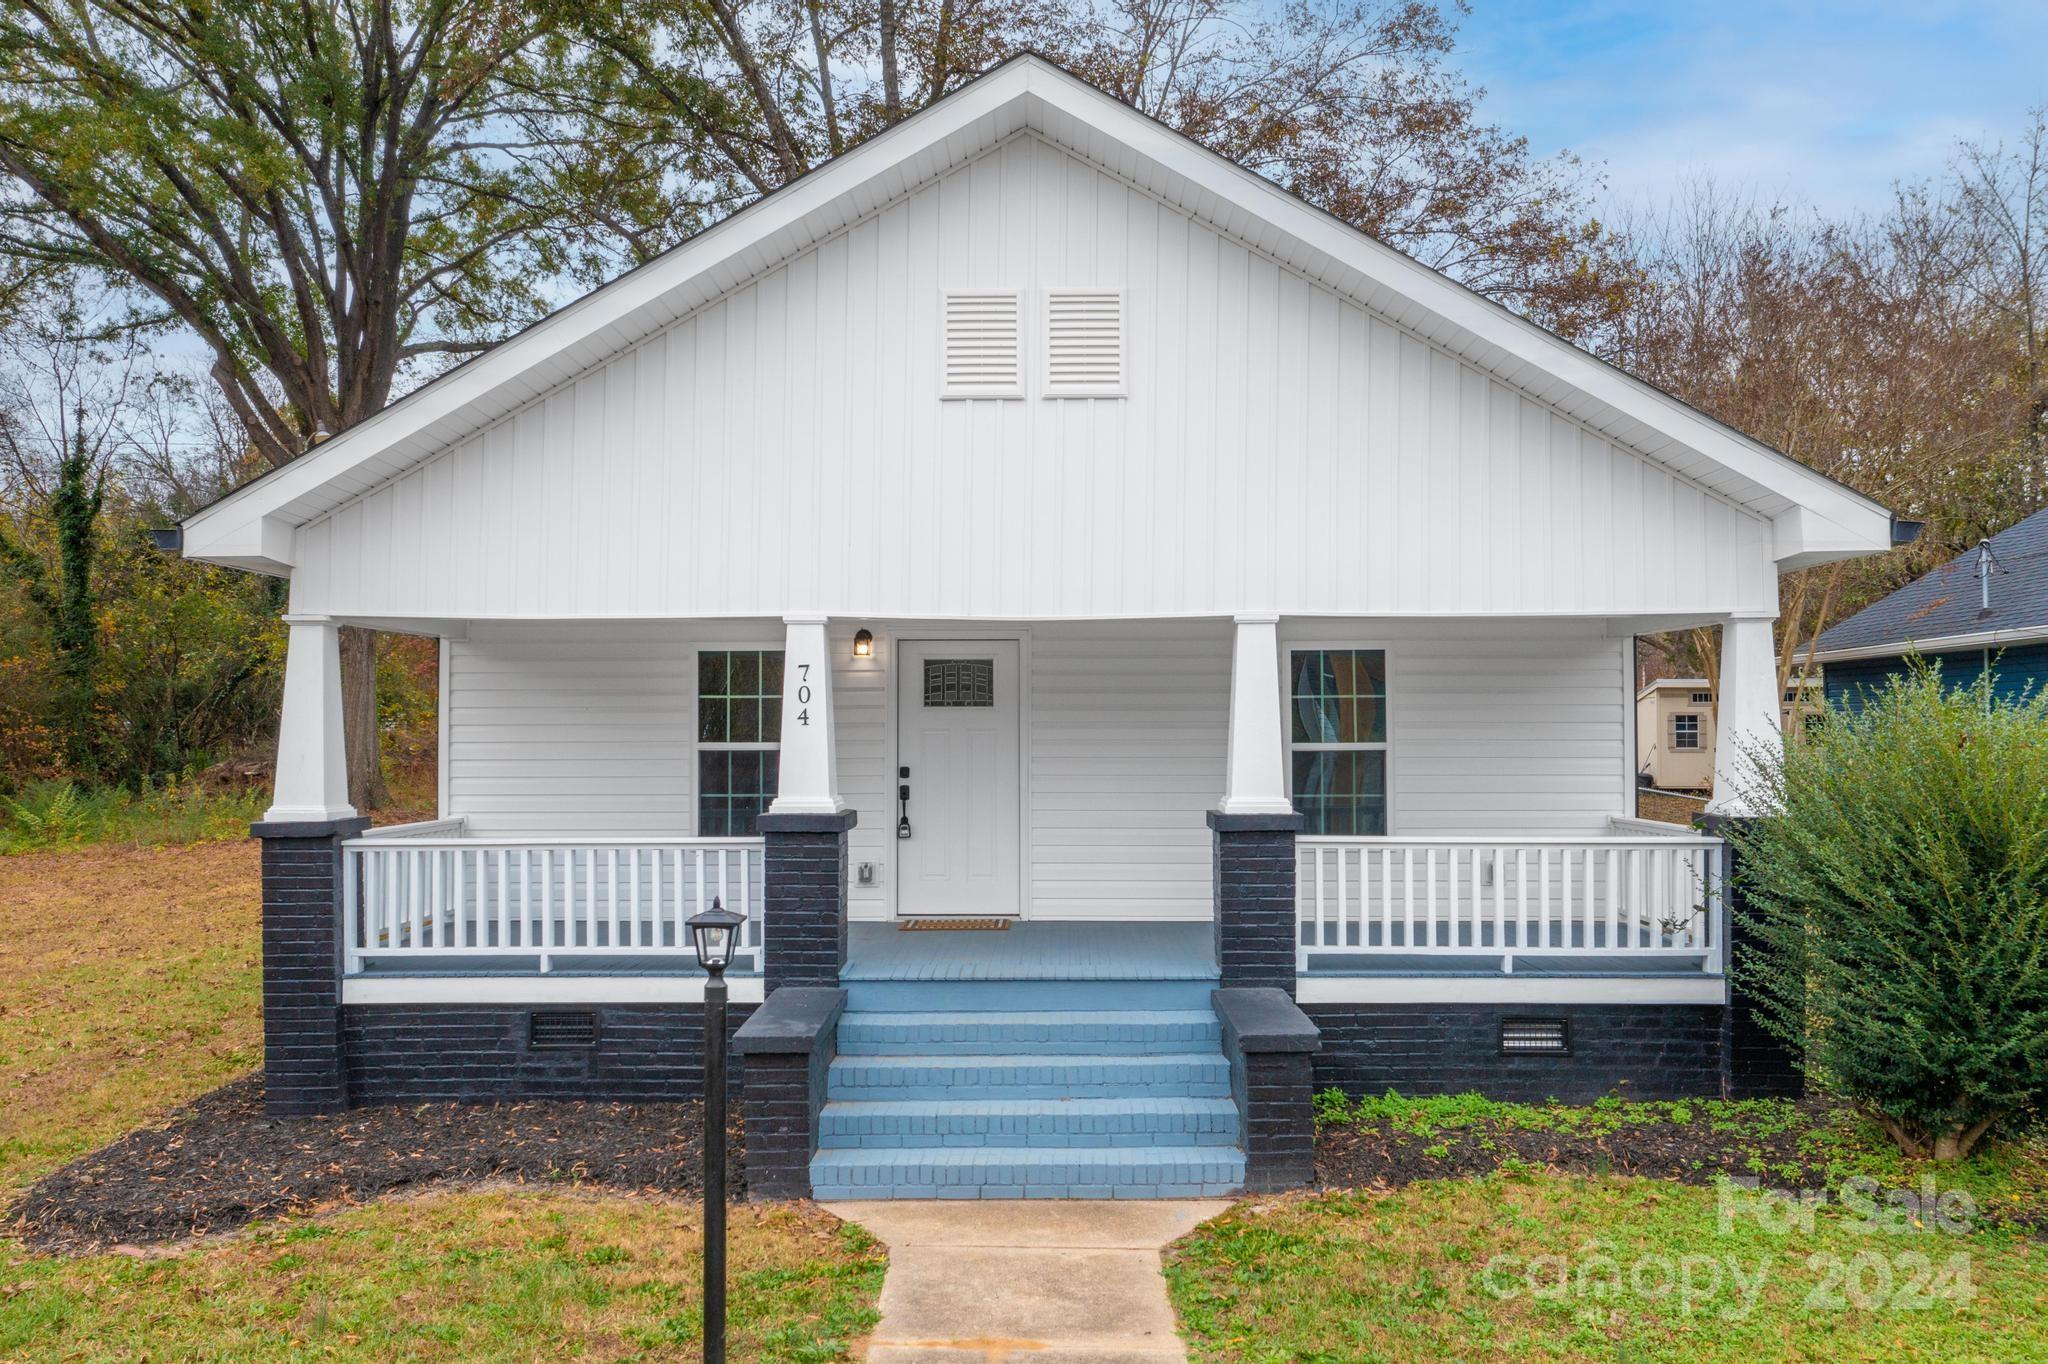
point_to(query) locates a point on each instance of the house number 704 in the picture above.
(803, 692)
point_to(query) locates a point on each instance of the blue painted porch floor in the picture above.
(1043, 1061)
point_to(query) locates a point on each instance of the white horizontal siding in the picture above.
(1495, 728)
(1126, 729)
(581, 728)
(786, 445)
(861, 698)
(1499, 727)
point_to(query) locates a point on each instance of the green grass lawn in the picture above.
(129, 983)
(1525, 1263)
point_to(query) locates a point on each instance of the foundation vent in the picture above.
(1535, 1037)
(561, 1029)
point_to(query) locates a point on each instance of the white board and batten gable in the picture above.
(1028, 356)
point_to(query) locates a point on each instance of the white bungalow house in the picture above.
(1028, 517)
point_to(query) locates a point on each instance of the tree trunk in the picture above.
(366, 790)
(1959, 1141)
(892, 87)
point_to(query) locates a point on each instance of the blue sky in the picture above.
(1817, 101)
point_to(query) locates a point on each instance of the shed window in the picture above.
(739, 737)
(1685, 731)
(1706, 698)
(1337, 739)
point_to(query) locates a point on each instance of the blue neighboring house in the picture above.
(1986, 609)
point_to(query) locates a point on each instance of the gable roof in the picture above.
(1943, 608)
(1814, 518)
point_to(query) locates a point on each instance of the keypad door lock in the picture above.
(902, 802)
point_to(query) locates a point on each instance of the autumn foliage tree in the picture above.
(1351, 104)
(1904, 353)
(328, 199)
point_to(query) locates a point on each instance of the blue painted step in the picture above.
(1013, 996)
(983, 1172)
(1046, 1123)
(1169, 1075)
(971, 1033)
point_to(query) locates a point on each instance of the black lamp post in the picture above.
(714, 932)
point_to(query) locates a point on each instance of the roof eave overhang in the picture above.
(1939, 644)
(1813, 519)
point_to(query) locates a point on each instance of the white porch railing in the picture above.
(1363, 901)
(422, 894)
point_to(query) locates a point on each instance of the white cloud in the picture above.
(1825, 103)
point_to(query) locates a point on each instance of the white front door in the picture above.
(956, 745)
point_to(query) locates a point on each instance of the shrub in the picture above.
(58, 814)
(1898, 891)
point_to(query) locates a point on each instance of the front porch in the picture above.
(1229, 863)
(431, 901)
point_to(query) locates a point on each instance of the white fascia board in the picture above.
(1517, 989)
(527, 991)
(239, 537)
(1803, 538)
(1940, 644)
(1848, 523)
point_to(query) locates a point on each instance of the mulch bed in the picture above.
(219, 1163)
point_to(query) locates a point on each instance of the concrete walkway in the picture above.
(1026, 1283)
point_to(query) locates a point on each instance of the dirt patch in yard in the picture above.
(219, 1163)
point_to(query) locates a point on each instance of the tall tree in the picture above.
(63, 396)
(330, 198)
(1887, 351)
(1351, 104)
(2002, 257)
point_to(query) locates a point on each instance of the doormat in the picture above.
(954, 925)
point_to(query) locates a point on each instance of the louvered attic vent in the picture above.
(1084, 343)
(984, 352)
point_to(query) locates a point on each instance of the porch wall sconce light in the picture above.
(864, 644)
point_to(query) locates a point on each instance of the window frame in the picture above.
(1288, 649)
(1698, 743)
(698, 744)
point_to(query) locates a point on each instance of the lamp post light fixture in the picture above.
(714, 933)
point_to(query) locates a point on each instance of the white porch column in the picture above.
(312, 759)
(1746, 713)
(809, 784)
(1257, 779)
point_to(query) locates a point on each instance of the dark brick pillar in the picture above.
(1756, 1063)
(303, 1060)
(803, 898)
(1271, 1045)
(1255, 925)
(788, 1045)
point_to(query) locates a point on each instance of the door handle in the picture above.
(903, 803)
